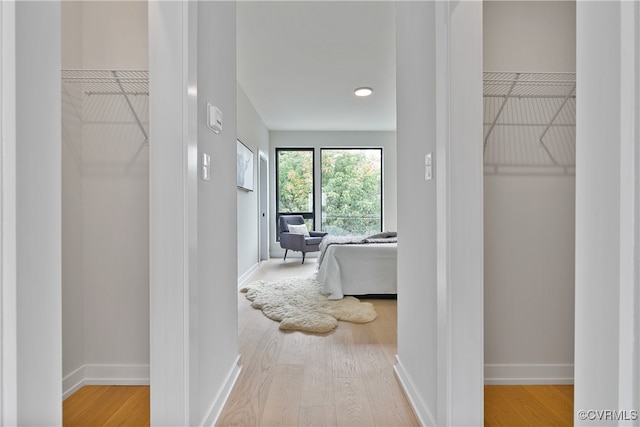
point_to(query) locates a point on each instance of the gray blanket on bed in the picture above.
(384, 237)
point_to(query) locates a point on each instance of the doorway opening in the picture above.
(105, 210)
(529, 210)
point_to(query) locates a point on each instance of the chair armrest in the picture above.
(292, 241)
(318, 233)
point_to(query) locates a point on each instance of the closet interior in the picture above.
(105, 194)
(529, 191)
(530, 122)
(127, 83)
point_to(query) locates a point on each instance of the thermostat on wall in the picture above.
(214, 118)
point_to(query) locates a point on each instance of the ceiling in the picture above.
(300, 61)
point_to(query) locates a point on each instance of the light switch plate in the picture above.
(428, 167)
(206, 165)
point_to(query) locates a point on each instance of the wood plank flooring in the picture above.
(107, 406)
(340, 378)
(530, 405)
(508, 406)
(295, 379)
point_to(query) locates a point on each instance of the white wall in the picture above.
(607, 259)
(193, 222)
(72, 286)
(529, 36)
(38, 213)
(115, 35)
(460, 194)
(115, 212)
(255, 135)
(8, 238)
(71, 51)
(325, 139)
(417, 203)
(172, 39)
(529, 276)
(73, 331)
(217, 292)
(529, 219)
(106, 237)
(440, 286)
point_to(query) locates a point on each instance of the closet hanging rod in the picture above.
(533, 125)
(525, 81)
(529, 96)
(117, 93)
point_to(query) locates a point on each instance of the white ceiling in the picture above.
(299, 62)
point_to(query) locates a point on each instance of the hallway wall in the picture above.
(36, 343)
(255, 135)
(194, 330)
(607, 337)
(440, 292)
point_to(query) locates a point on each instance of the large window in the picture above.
(351, 184)
(294, 183)
(352, 191)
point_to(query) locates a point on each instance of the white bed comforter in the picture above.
(359, 269)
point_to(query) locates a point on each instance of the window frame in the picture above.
(346, 148)
(306, 215)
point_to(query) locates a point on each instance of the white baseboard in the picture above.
(72, 382)
(104, 375)
(242, 280)
(117, 374)
(212, 415)
(518, 374)
(421, 410)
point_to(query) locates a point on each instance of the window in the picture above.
(294, 184)
(352, 191)
(351, 183)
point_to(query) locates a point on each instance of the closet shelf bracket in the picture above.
(529, 121)
(133, 111)
(553, 119)
(504, 102)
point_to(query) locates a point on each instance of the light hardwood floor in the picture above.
(296, 379)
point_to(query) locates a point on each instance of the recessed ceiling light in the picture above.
(363, 91)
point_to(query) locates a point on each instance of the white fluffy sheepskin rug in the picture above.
(298, 304)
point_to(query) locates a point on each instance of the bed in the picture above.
(358, 269)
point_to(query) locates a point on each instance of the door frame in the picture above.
(263, 206)
(8, 275)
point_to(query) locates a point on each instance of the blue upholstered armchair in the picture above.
(295, 240)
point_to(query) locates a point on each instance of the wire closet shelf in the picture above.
(529, 122)
(124, 83)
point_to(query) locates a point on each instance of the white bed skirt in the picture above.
(359, 269)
